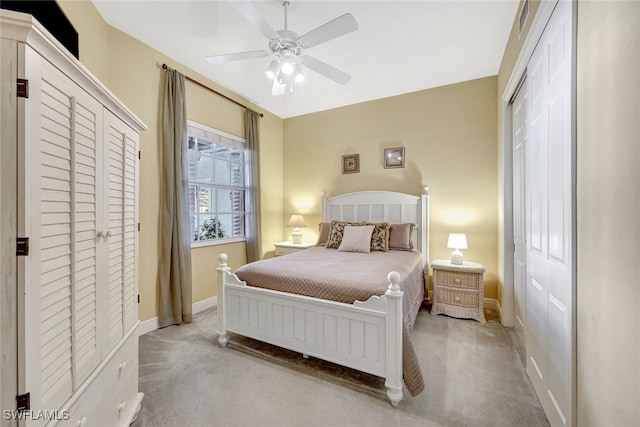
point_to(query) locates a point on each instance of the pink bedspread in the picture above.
(347, 277)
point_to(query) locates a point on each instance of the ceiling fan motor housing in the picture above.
(286, 43)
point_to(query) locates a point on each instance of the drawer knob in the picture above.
(82, 422)
(122, 366)
(457, 299)
(457, 281)
(121, 406)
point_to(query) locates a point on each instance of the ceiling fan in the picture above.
(287, 48)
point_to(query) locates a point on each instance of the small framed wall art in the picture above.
(394, 157)
(351, 163)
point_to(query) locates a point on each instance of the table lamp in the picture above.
(296, 221)
(457, 241)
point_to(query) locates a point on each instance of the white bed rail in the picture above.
(366, 336)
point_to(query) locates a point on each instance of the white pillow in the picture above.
(356, 238)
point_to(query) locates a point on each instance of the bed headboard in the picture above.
(378, 206)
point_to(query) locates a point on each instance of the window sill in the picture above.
(216, 242)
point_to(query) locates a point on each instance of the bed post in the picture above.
(393, 381)
(424, 232)
(223, 269)
(325, 213)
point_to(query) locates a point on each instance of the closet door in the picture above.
(121, 222)
(60, 184)
(550, 208)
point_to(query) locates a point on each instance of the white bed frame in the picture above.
(366, 336)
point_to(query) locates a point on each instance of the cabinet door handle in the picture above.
(106, 233)
(122, 366)
(99, 233)
(121, 406)
(82, 422)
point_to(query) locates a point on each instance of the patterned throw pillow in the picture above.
(335, 233)
(380, 236)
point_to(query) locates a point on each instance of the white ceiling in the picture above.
(400, 47)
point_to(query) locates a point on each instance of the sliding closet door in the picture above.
(519, 120)
(549, 219)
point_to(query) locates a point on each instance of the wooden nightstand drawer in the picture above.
(459, 280)
(459, 298)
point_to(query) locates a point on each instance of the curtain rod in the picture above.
(195, 82)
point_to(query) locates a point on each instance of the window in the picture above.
(216, 184)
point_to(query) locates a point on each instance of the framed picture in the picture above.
(394, 157)
(351, 163)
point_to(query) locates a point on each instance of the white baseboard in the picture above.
(152, 324)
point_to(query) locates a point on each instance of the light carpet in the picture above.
(473, 372)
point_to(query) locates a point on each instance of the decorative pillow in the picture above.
(380, 236)
(356, 238)
(323, 233)
(335, 233)
(400, 237)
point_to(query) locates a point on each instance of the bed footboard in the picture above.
(366, 336)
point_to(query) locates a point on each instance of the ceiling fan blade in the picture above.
(219, 59)
(252, 15)
(325, 69)
(340, 26)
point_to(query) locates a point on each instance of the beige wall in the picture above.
(131, 70)
(608, 199)
(450, 140)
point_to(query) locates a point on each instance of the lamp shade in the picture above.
(457, 241)
(296, 221)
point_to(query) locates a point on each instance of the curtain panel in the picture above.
(252, 199)
(174, 268)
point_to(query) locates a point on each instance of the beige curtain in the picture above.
(252, 195)
(174, 269)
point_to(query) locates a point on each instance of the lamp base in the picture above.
(296, 236)
(456, 257)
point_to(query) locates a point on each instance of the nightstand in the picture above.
(284, 248)
(458, 290)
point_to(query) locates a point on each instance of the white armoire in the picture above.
(68, 227)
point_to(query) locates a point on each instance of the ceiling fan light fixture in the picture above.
(287, 66)
(272, 69)
(297, 72)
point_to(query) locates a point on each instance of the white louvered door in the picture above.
(80, 212)
(120, 184)
(62, 209)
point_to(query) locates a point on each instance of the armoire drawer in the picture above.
(114, 377)
(120, 409)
